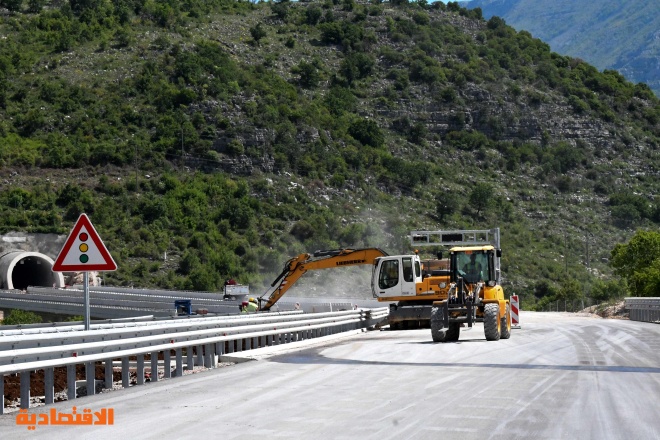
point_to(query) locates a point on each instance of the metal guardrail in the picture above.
(115, 302)
(203, 343)
(644, 309)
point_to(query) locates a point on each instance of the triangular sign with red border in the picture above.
(83, 250)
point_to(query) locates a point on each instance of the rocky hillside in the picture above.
(216, 140)
(624, 36)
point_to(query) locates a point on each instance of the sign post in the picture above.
(84, 251)
(515, 320)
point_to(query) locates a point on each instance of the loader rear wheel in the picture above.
(492, 321)
(438, 332)
(505, 333)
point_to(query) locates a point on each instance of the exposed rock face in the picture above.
(48, 244)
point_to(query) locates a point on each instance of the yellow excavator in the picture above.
(405, 279)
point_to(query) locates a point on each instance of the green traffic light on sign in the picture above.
(84, 258)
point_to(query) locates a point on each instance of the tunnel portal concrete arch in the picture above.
(20, 269)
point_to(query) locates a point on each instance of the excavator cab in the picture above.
(396, 276)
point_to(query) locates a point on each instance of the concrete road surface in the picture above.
(559, 377)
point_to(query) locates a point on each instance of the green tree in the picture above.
(446, 203)
(647, 280)
(570, 290)
(12, 5)
(309, 74)
(258, 33)
(544, 289)
(313, 14)
(608, 290)
(280, 9)
(16, 317)
(78, 6)
(481, 197)
(367, 132)
(35, 6)
(638, 262)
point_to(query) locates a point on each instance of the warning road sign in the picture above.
(84, 250)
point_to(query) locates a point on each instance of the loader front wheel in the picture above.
(492, 321)
(506, 324)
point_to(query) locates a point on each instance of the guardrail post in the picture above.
(179, 362)
(49, 385)
(269, 340)
(71, 381)
(153, 375)
(248, 343)
(190, 361)
(208, 348)
(125, 372)
(25, 389)
(167, 362)
(90, 377)
(200, 356)
(2, 394)
(140, 369)
(230, 346)
(108, 374)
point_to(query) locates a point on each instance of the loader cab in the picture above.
(475, 264)
(396, 276)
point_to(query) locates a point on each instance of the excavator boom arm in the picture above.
(297, 266)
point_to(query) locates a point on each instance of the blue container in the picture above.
(183, 306)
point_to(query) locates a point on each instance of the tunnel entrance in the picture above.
(20, 269)
(30, 271)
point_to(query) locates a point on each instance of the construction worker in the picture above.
(244, 307)
(473, 268)
(253, 305)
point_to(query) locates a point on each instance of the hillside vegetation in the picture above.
(610, 34)
(215, 139)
